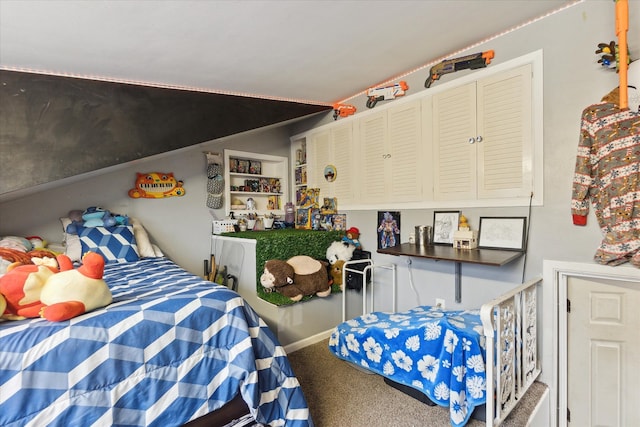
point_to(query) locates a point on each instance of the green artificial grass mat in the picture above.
(284, 244)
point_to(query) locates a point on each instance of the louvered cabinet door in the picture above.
(504, 140)
(343, 158)
(374, 154)
(319, 156)
(454, 146)
(406, 160)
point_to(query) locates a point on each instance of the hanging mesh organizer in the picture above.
(215, 181)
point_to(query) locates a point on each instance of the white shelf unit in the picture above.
(299, 170)
(271, 174)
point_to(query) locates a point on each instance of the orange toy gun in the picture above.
(343, 110)
(471, 62)
(385, 93)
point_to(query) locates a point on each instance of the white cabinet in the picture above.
(391, 147)
(482, 138)
(471, 142)
(261, 177)
(332, 162)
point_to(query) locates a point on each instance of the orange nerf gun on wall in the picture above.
(343, 110)
(471, 62)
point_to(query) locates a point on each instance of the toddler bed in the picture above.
(171, 348)
(444, 354)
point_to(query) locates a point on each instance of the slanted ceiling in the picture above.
(301, 56)
(57, 127)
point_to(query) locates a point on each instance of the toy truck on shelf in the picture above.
(385, 93)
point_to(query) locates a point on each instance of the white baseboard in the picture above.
(290, 348)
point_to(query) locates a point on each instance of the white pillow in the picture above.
(145, 249)
(73, 247)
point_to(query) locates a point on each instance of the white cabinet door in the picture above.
(333, 147)
(319, 156)
(483, 138)
(373, 152)
(454, 132)
(504, 135)
(406, 164)
(342, 148)
(391, 149)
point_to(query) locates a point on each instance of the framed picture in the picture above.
(330, 206)
(502, 233)
(388, 229)
(445, 223)
(303, 218)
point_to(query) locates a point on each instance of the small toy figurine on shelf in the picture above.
(251, 204)
(463, 224)
(464, 237)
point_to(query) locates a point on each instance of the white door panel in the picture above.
(603, 356)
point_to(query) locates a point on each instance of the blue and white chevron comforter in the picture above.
(439, 353)
(171, 347)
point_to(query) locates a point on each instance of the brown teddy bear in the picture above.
(297, 277)
(336, 272)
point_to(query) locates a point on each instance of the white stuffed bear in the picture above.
(340, 251)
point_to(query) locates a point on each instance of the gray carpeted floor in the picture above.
(340, 395)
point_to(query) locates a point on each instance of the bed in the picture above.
(170, 349)
(442, 354)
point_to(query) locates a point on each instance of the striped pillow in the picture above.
(116, 244)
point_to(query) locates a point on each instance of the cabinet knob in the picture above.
(479, 138)
(472, 140)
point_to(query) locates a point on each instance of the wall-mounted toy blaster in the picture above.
(471, 62)
(343, 110)
(384, 93)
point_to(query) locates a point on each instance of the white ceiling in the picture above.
(309, 51)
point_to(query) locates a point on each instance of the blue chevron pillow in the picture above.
(115, 244)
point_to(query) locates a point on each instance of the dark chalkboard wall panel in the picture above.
(55, 127)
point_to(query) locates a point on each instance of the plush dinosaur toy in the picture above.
(39, 290)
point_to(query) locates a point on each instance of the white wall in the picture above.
(572, 80)
(181, 226)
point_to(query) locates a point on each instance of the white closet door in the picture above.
(454, 133)
(406, 161)
(343, 160)
(320, 151)
(373, 152)
(504, 124)
(603, 347)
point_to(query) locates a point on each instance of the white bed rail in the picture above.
(510, 328)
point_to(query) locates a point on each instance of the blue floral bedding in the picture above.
(439, 353)
(170, 348)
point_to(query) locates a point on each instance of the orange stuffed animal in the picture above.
(36, 290)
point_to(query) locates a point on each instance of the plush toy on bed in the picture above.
(40, 290)
(94, 216)
(297, 277)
